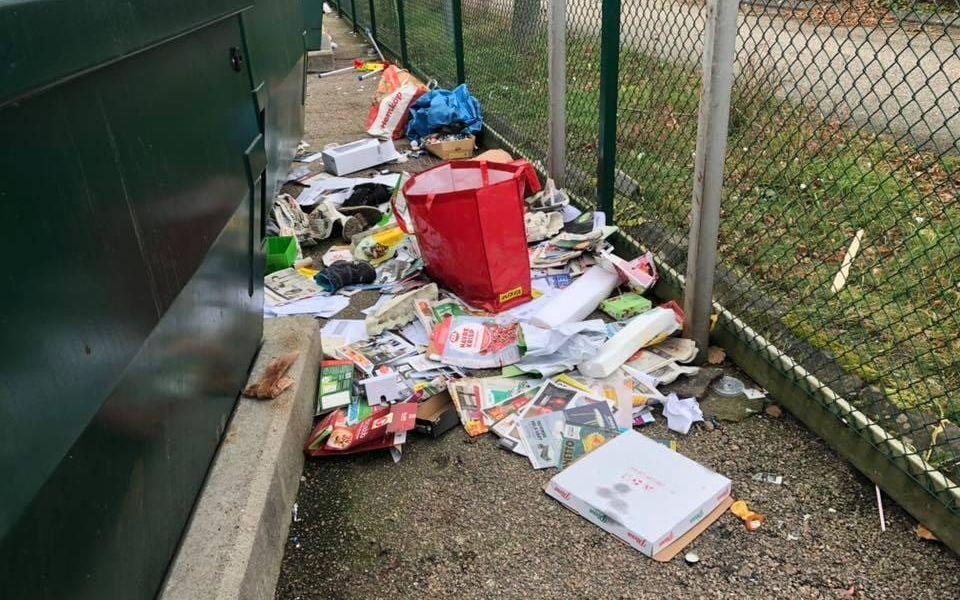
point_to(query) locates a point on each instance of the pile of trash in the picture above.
(504, 308)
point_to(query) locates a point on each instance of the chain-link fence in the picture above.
(839, 246)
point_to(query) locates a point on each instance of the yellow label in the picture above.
(514, 293)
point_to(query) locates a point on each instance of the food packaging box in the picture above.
(358, 155)
(453, 149)
(642, 492)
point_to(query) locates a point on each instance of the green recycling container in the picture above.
(281, 252)
(143, 142)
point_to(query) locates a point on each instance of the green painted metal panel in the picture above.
(134, 175)
(274, 32)
(313, 17)
(44, 41)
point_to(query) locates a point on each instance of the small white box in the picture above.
(358, 155)
(640, 491)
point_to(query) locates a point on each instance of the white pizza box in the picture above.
(641, 491)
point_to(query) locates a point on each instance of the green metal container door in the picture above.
(313, 17)
(134, 178)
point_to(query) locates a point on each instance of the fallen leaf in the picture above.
(925, 534)
(774, 411)
(715, 355)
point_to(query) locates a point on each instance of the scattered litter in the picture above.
(883, 519)
(647, 329)
(396, 93)
(768, 478)
(578, 300)
(681, 414)
(341, 274)
(358, 155)
(296, 512)
(336, 385)
(691, 558)
(475, 342)
(626, 306)
(444, 111)
(754, 393)
(274, 380)
(840, 280)
(317, 306)
(475, 266)
(728, 386)
(399, 310)
(751, 520)
(309, 158)
(450, 146)
(643, 493)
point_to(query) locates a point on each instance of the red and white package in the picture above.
(397, 91)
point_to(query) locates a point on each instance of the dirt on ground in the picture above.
(460, 517)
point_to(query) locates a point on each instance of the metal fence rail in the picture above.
(838, 262)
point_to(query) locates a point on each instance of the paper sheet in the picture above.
(351, 330)
(319, 306)
(343, 183)
(416, 333)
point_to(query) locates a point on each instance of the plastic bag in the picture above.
(440, 109)
(397, 91)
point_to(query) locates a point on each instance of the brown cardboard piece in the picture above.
(675, 548)
(436, 415)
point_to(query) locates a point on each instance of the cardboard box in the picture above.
(436, 415)
(642, 492)
(358, 155)
(453, 149)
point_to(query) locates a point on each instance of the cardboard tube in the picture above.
(579, 299)
(641, 331)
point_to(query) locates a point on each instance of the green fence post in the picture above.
(373, 21)
(402, 24)
(353, 15)
(457, 14)
(609, 81)
(340, 8)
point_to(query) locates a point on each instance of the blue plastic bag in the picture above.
(440, 108)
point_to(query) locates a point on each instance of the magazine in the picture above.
(336, 385)
(475, 342)
(373, 352)
(579, 440)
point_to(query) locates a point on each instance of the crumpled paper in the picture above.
(681, 413)
(552, 351)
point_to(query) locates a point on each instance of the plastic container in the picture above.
(468, 218)
(281, 253)
(578, 299)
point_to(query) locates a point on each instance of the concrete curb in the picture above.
(234, 543)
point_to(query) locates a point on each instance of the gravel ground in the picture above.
(460, 517)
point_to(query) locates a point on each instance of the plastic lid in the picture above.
(728, 386)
